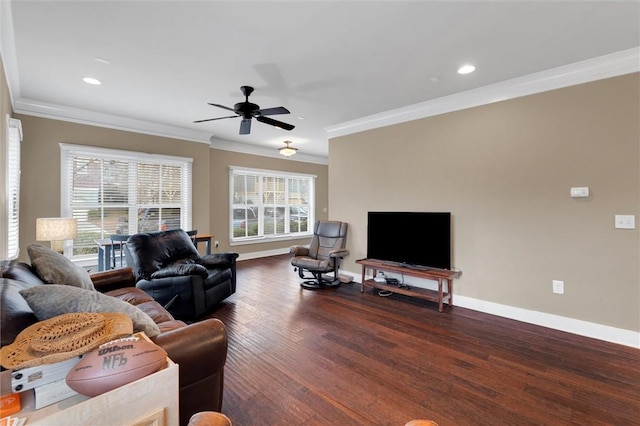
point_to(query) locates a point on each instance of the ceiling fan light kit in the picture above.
(248, 110)
(287, 151)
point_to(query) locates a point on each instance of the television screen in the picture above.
(417, 239)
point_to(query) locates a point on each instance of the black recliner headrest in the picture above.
(149, 252)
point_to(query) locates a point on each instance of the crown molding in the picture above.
(612, 65)
(93, 118)
(110, 121)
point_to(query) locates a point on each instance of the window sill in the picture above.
(263, 240)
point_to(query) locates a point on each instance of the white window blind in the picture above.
(268, 204)
(122, 192)
(14, 137)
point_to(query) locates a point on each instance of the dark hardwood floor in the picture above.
(339, 357)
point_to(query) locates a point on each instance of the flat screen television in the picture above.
(415, 239)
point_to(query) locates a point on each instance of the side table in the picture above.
(150, 401)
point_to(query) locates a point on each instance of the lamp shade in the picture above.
(56, 228)
(287, 151)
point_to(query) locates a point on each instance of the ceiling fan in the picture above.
(248, 110)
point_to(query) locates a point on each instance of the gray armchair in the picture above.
(322, 256)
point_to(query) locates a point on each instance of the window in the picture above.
(268, 204)
(122, 192)
(14, 137)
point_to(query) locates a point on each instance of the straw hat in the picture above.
(63, 337)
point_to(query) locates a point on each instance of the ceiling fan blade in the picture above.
(273, 111)
(276, 123)
(219, 118)
(223, 107)
(245, 126)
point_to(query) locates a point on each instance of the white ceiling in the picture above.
(330, 62)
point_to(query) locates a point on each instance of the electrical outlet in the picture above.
(216, 243)
(558, 286)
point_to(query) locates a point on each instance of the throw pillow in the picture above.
(52, 267)
(48, 301)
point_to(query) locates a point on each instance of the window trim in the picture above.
(68, 151)
(275, 174)
(11, 243)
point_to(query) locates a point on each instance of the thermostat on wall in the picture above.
(580, 192)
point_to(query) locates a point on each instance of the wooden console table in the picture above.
(439, 275)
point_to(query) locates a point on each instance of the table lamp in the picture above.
(56, 230)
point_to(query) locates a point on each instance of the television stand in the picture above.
(438, 275)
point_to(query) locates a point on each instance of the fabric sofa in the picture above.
(169, 268)
(200, 349)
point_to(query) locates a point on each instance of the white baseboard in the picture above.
(265, 253)
(556, 322)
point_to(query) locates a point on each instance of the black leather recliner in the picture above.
(169, 268)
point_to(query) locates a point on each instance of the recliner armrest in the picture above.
(113, 279)
(339, 253)
(200, 349)
(218, 260)
(299, 250)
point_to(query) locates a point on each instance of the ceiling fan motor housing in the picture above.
(246, 109)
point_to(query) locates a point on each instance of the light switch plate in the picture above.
(625, 221)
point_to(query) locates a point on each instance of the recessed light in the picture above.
(91, 80)
(434, 80)
(466, 69)
(300, 117)
(102, 60)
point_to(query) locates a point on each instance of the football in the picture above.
(114, 364)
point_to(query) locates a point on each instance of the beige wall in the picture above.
(40, 181)
(220, 162)
(40, 186)
(504, 171)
